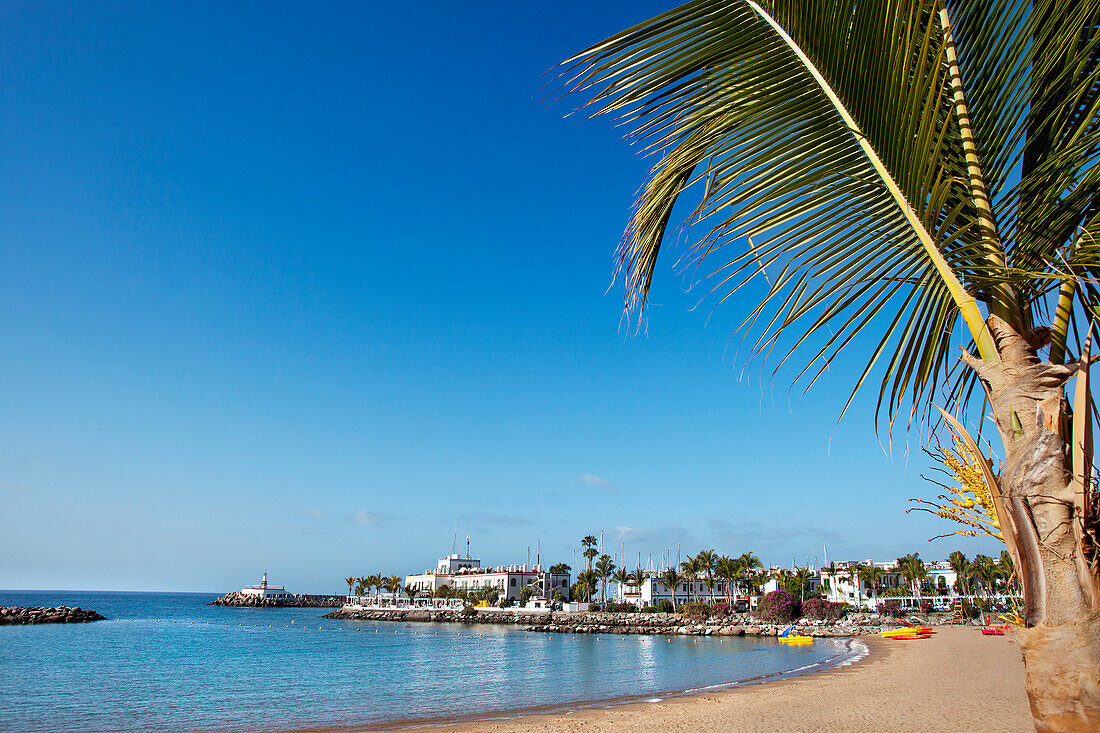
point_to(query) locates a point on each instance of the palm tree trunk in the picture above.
(1038, 510)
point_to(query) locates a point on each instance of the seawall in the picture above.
(298, 600)
(624, 623)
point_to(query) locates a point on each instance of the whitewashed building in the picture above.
(841, 586)
(466, 574)
(689, 589)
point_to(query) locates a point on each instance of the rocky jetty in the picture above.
(628, 623)
(10, 615)
(298, 600)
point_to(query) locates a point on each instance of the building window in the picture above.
(513, 583)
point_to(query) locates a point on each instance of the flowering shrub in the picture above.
(819, 608)
(621, 608)
(720, 609)
(698, 611)
(779, 606)
(891, 607)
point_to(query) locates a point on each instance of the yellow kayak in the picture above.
(907, 631)
(797, 639)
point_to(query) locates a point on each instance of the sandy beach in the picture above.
(958, 680)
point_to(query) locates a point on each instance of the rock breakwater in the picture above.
(300, 600)
(594, 622)
(15, 615)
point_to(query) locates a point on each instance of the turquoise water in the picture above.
(166, 662)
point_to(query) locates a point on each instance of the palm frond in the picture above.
(727, 104)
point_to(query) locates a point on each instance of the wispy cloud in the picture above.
(312, 513)
(368, 518)
(315, 531)
(593, 480)
(14, 487)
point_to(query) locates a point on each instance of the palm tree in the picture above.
(914, 572)
(901, 174)
(350, 580)
(985, 570)
(672, 578)
(707, 560)
(638, 579)
(802, 576)
(361, 587)
(590, 551)
(393, 584)
(960, 565)
(749, 563)
(691, 568)
(727, 569)
(411, 593)
(872, 576)
(853, 575)
(623, 578)
(605, 567)
(1006, 570)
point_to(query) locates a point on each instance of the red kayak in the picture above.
(909, 637)
(993, 632)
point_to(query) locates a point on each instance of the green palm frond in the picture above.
(823, 142)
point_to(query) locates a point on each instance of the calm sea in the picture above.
(167, 662)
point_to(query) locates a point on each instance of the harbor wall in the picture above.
(626, 623)
(297, 600)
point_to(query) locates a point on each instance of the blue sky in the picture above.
(300, 289)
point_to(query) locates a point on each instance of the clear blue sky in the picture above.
(299, 288)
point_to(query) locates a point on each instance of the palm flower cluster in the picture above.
(970, 503)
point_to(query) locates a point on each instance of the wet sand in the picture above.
(958, 680)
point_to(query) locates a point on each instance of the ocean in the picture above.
(168, 662)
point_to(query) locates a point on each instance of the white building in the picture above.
(466, 574)
(841, 585)
(263, 590)
(689, 589)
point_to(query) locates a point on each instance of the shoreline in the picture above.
(860, 650)
(958, 680)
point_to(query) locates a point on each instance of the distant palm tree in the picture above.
(961, 566)
(623, 578)
(985, 570)
(872, 576)
(410, 592)
(802, 576)
(749, 563)
(590, 551)
(350, 580)
(727, 569)
(853, 575)
(586, 584)
(361, 586)
(672, 578)
(393, 584)
(1007, 570)
(708, 560)
(605, 566)
(913, 570)
(638, 579)
(691, 568)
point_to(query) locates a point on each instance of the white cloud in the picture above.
(593, 480)
(312, 513)
(14, 487)
(364, 517)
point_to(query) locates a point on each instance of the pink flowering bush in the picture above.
(778, 607)
(819, 608)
